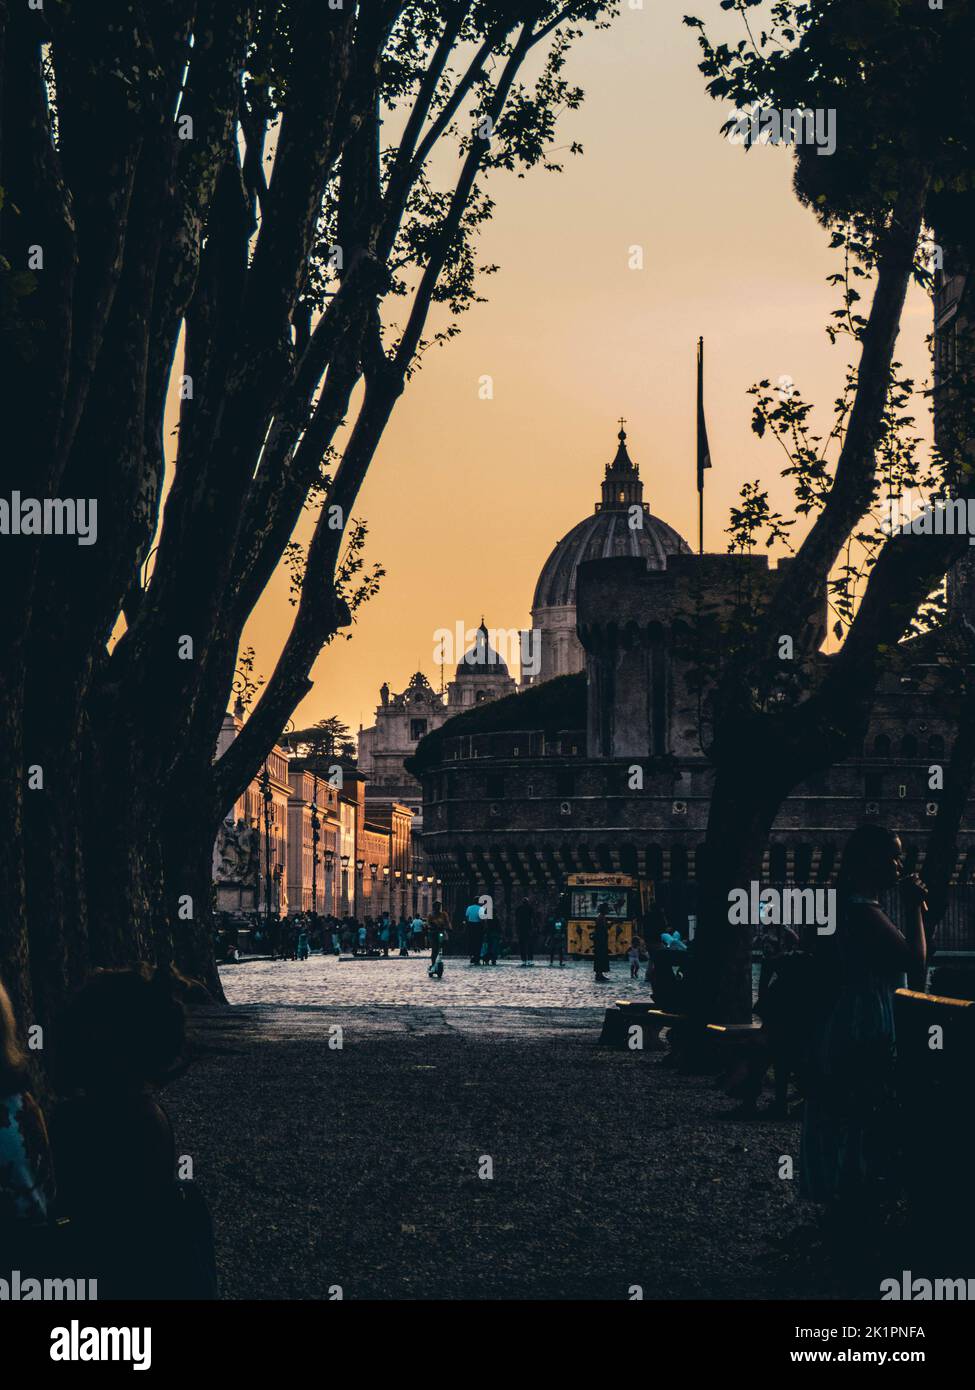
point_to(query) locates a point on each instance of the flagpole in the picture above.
(700, 470)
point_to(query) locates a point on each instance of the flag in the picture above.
(703, 448)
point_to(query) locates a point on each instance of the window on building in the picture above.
(418, 728)
(881, 746)
(565, 782)
(908, 746)
(873, 784)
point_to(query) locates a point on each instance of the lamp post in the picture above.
(345, 885)
(411, 893)
(329, 880)
(268, 799)
(389, 901)
(373, 871)
(398, 874)
(360, 864)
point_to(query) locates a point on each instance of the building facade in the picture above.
(603, 767)
(250, 854)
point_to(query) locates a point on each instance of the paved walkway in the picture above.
(397, 994)
(362, 1165)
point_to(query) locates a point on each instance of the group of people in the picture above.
(487, 942)
(97, 1188)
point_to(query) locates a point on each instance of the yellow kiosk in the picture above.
(626, 899)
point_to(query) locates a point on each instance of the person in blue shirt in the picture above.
(475, 931)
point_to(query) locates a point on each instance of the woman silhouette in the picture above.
(846, 1157)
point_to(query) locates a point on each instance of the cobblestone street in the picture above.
(355, 1159)
(499, 994)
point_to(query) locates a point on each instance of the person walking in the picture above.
(475, 931)
(403, 935)
(385, 934)
(439, 930)
(416, 932)
(525, 927)
(633, 956)
(600, 945)
(556, 939)
(492, 941)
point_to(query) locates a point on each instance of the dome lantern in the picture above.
(622, 485)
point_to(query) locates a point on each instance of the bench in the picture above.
(935, 1062)
(627, 1014)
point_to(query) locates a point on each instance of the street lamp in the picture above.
(345, 885)
(268, 798)
(329, 871)
(389, 901)
(360, 864)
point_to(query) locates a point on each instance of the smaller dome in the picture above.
(481, 660)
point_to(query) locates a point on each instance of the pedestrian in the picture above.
(525, 927)
(403, 935)
(385, 934)
(439, 925)
(475, 931)
(556, 939)
(850, 1114)
(492, 942)
(362, 937)
(303, 949)
(416, 932)
(600, 945)
(633, 956)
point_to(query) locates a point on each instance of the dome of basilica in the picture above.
(482, 659)
(608, 533)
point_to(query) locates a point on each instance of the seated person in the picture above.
(26, 1172)
(147, 1234)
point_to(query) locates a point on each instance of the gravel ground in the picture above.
(358, 1166)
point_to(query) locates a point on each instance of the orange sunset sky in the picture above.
(467, 497)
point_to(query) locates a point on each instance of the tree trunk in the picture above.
(739, 821)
